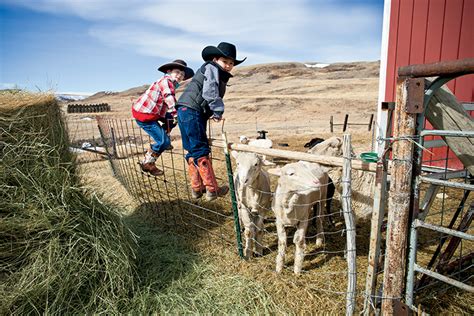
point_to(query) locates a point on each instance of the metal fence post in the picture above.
(411, 265)
(232, 194)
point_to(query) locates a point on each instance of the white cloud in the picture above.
(264, 31)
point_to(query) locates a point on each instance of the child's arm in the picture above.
(169, 97)
(210, 91)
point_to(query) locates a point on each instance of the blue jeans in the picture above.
(192, 126)
(158, 134)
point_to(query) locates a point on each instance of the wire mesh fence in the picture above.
(169, 198)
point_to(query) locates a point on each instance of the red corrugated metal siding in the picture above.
(427, 31)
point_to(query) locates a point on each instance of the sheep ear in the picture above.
(268, 163)
(234, 154)
(275, 171)
(325, 169)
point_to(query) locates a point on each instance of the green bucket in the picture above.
(369, 157)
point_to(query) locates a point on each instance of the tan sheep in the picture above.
(300, 186)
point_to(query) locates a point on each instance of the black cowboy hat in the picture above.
(222, 50)
(178, 64)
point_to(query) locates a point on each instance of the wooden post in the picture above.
(346, 118)
(400, 199)
(378, 213)
(324, 160)
(331, 124)
(350, 227)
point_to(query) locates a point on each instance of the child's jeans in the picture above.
(192, 126)
(158, 134)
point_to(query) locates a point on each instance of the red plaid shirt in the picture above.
(156, 101)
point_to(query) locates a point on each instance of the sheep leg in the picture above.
(331, 188)
(323, 194)
(245, 218)
(319, 227)
(259, 234)
(280, 259)
(248, 242)
(300, 244)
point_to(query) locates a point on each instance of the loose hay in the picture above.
(62, 252)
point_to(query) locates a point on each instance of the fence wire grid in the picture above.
(123, 144)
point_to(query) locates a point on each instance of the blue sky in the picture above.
(95, 45)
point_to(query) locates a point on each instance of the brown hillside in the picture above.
(284, 98)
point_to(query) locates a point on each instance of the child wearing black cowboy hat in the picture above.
(201, 100)
(158, 104)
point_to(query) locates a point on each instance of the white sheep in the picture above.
(261, 143)
(300, 186)
(330, 147)
(252, 187)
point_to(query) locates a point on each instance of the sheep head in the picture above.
(301, 177)
(330, 147)
(243, 139)
(249, 166)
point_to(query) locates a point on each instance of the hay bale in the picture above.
(62, 250)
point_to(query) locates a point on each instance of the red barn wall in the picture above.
(427, 31)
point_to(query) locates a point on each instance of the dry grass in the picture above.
(322, 287)
(61, 250)
(17, 99)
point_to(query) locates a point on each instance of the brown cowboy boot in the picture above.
(197, 186)
(209, 179)
(148, 164)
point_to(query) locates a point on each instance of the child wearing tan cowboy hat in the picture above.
(158, 104)
(201, 100)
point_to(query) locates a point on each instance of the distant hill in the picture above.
(289, 96)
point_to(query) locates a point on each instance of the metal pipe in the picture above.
(435, 85)
(464, 186)
(444, 230)
(448, 175)
(435, 132)
(444, 279)
(411, 265)
(443, 68)
(434, 143)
